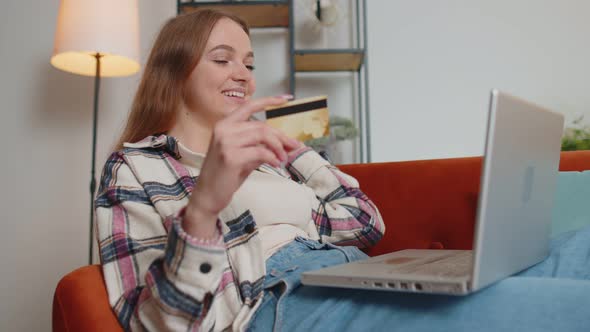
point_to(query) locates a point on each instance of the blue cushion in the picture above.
(571, 209)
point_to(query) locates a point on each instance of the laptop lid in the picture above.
(518, 182)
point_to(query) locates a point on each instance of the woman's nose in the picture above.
(242, 73)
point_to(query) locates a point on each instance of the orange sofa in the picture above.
(425, 204)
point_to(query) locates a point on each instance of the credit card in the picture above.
(302, 119)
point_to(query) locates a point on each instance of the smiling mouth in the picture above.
(236, 94)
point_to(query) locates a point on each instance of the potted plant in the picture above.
(576, 137)
(341, 129)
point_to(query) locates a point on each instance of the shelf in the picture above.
(329, 60)
(258, 14)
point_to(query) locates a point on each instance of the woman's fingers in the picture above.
(288, 142)
(254, 156)
(260, 135)
(247, 144)
(258, 132)
(245, 111)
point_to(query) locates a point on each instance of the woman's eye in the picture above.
(250, 67)
(222, 62)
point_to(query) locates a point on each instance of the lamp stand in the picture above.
(92, 166)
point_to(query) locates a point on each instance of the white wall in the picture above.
(432, 64)
(45, 128)
(43, 211)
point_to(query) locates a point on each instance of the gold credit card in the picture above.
(302, 119)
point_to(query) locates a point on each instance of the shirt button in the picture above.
(249, 228)
(205, 268)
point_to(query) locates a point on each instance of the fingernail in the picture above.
(286, 96)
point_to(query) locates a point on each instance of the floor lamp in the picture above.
(97, 38)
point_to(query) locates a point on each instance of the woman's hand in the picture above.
(238, 146)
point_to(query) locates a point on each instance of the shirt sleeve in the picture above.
(344, 214)
(157, 276)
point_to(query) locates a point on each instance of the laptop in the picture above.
(519, 175)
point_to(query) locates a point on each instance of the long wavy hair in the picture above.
(175, 53)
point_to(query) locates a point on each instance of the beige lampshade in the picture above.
(87, 27)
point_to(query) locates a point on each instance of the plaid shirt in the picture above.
(160, 278)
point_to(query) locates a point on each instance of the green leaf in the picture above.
(576, 137)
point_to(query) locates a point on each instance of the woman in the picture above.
(184, 237)
(206, 219)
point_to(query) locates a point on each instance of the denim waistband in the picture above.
(303, 255)
(293, 250)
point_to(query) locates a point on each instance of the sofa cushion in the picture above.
(571, 209)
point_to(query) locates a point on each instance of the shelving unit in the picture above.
(258, 14)
(279, 13)
(328, 60)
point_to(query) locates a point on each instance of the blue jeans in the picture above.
(551, 296)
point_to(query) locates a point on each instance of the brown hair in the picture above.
(176, 51)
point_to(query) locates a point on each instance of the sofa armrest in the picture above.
(80, 303)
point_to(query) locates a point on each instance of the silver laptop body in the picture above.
(513, 223)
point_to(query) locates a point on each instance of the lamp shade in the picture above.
(107, 27)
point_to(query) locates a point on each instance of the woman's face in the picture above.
(222, 80)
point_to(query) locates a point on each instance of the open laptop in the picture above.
(513, 223)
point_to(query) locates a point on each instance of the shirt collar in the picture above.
(189, 157)
(171, 145)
